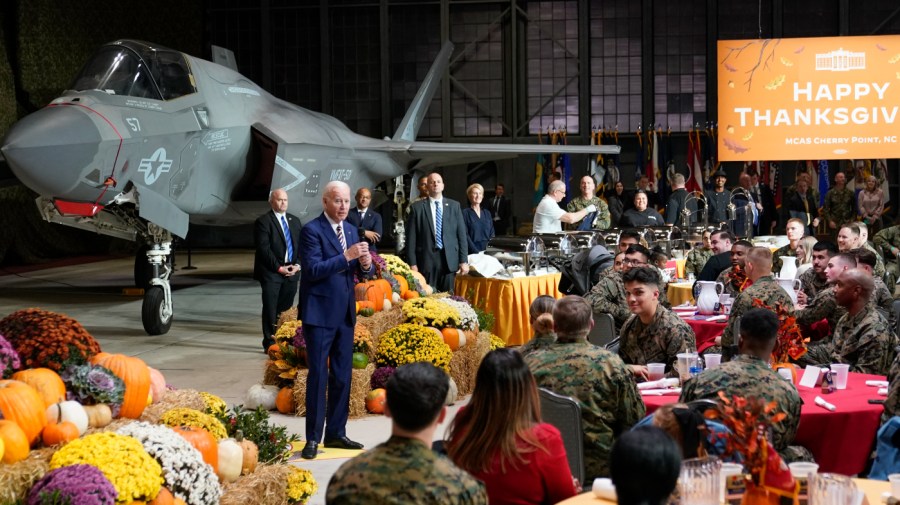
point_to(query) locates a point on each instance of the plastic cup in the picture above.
(728, 470)
(894, 479)
(657, 371)
(802, 469)
(712, 360)
(841, 371)
(785, 374)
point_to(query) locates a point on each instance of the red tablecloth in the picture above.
(841, 440)
(704, 331)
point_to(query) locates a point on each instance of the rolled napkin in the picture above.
(661, 392)
(660, 384)
(718, 318)
(882, 391)
(825, 405)
(604, 489)
(877, 384)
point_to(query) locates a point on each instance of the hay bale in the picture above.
(359, 388)
(466, 360)
(189, 398)
(270, 374)
(382, 322)
(17, 479)
(288, 315)
(265, 486)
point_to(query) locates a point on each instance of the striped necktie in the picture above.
(438, 225)
(340, 234)
(288, 239)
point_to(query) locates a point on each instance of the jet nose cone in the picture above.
(51, 149)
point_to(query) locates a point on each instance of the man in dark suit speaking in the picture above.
(330, 253)
(277, 238)
(436, 242)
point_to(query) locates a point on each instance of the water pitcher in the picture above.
(791, 285)
(709, 295)
(788, 267)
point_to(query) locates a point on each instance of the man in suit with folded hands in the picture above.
(330, 253)
(277, 238)
(365, 219)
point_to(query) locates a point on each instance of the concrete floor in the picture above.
(215, 341)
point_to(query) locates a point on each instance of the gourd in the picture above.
(385, 287)
(231, 457)
(386, 305)
(204, 442)
(284, 402)
(371, 292)
(46, 382)
(69, 411)
(15, 442)
(59, 433)
(375, 401)
(395, 297)
(158, 388)
(409, 295)
(136, 376)
(454, 337)
(251, 454)
(21, 404)
(261, 396)
(99, 415)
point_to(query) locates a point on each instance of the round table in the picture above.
(679, 293)
(872, 488)
(705, 331)
(841, 441)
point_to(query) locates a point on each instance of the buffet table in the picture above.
(841, 441)
(508, 300)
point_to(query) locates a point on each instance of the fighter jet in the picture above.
(148, 140)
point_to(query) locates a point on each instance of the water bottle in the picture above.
(696, 367)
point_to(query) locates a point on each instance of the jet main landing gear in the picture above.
(156, 312)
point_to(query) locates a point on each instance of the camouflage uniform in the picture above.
(892, 402)
(822, 306)
(603, 385)
(401, 471)
(883, 301)
(811, 283)
(840, 205)
(608, 296)
(730, 288)
(538, 342)
(750, 377)
(784, 250)
(695, 260)
(887, 239)
(603, 219)
(659, 342)
(864, 341)
(766, 290)
(878, 271)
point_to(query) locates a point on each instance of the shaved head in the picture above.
(758, 262)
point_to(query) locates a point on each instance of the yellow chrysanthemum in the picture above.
(286, 332)
(189, 417)
(430, 312)
(301, 485)
(214, 405)
(410, 343)
(497, 342)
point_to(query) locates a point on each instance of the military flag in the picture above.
(823, 181)
(539, 176)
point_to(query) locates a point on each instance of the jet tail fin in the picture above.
(409, 127)
(224, 57)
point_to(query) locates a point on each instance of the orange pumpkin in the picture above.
(100, 356)
(454, 337)
(370, 291)
(136, 376)
(59, 433)
(164, 497)
(404, 284)
(365, 305)
(15, 442)
(284, 402)
(409, 295)
(274, 350)
(375, 401)
(204, 442)
(46, 382)
(385, 286)
(21, 404)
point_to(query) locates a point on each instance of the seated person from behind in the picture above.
(541, 317)
(748, 375)
(862, 337)
(881, 296)
(695, 435)
(640, 215)
(404, 469)
(653, 333)
(548, 216)
(645, 465)
(597, 378)
(499, 437)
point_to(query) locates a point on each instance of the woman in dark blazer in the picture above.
(479, 224)
(616, 201)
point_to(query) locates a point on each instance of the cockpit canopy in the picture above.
(132, 68)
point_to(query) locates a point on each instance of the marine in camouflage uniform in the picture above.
(892, 402)
(879, 269)
(537, 342)
(765, 289)
(840, 205)
(603, 385)
(822, 306)
(784, 250)
(811, 283)
(730, 289)
(888, 240)
(750, 377)
(659, 342)
(864, 341)
(603, 219)
(608, 296)
(696, 259)
(402, 471)
(883, 300)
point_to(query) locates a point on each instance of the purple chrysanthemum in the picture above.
(81, 484)
(299, 342)
(458, 298)
(380, 376)
(9, 359)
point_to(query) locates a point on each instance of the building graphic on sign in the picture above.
(841, 61)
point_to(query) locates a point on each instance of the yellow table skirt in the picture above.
(508, 300)
(679, 293)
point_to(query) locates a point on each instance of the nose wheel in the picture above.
(156, 312)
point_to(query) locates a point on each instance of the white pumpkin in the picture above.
(396, 298)
(231, 459)
(71, 411)
(387, 305)
(260, 395)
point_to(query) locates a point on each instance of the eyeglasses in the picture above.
(636, 263)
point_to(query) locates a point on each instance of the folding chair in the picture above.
(564, 412)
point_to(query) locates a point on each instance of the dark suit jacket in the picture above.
(500, 212)
(769, 212)
(420, 234)
(372, 222)
(714, 266)
(326, 281)
(677, 202)
(271, 246)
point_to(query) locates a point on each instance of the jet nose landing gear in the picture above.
(156, 312)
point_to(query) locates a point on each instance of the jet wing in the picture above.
(431, 154)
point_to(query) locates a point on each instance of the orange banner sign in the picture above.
(809, 99)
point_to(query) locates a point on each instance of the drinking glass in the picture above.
(700, 480)
(830, 489)
(656, 371)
